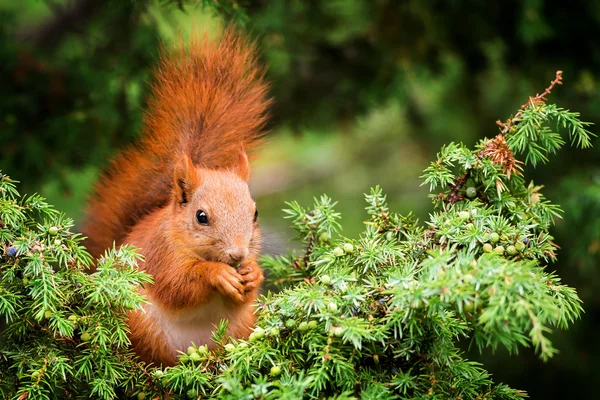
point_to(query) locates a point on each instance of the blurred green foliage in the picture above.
(366, 91)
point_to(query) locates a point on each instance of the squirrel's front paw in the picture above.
(252, 276)
(229, 283)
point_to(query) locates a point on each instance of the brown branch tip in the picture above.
(497, 149)
(538, 99)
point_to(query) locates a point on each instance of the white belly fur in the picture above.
(194, 325)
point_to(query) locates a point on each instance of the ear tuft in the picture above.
(242, 169)
(185, 180)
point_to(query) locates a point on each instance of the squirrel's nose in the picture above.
(238, 254)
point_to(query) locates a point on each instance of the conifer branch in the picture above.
(379, 316)
(497, 149)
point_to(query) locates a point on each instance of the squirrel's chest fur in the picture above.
(158, 335)
(195, 324)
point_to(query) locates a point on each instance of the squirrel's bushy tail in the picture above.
(208, 100)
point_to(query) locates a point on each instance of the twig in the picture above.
(537, 99)
(458, 184)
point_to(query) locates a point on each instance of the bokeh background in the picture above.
(366, 92)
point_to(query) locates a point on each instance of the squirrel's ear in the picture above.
(186, 180)
(243, 166)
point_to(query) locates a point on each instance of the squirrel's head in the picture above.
(216, 212)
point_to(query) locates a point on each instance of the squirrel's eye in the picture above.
(201, 217)
(255, 215)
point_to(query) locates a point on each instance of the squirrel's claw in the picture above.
(229, 283)
(252, 277)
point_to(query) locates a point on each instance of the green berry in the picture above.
(184, 358)
(229, 347)
(332, 306)
(195, 357)
(390, 235)
(85, 336)
(243, 344)
(312, 324)
(141, 396)
(348, 248)
(464, 215)
(25, 281)
(471, 192)
(338, 331)
(48, 314)
(290, 323)
(303, 326)
(520, 246)
(35, 374)
(487, 248)
(57, 242)
(72, 317)
(325, 280)
(259, 332)
(324, 237)
(338, 252)
(511, 250)
(469, 306)
(192, 393)
(159, 373)
(191, 350)
(53, 230)
(275, 370)
(467, 277)
(494, 237)
(473, 263)
(469, 226)
(203, 349)
(474, 212)
(274, 332)
(499, 249)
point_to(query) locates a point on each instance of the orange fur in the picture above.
(208, 100)
(208, 107)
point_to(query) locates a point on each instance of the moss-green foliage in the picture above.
(63, 328)
(376, 317)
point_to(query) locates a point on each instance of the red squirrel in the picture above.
(181, 195)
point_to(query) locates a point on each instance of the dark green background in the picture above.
(366, 92)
